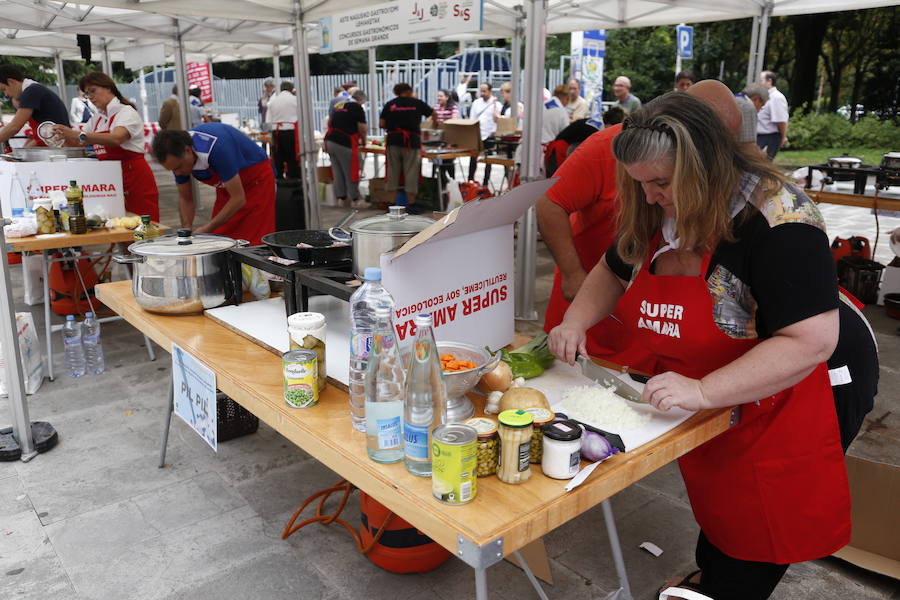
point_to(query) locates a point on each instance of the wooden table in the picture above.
(501, 520)
(48, 244)
(872, 202)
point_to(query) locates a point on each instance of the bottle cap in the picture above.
(70, 317)
(72, 182)
(516, 418)
(423, 320)
(88, 314)
(372, 274)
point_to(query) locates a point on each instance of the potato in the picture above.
(523, 397)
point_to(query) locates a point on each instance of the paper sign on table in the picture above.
(195, 394)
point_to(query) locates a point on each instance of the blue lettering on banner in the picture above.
(415, 438)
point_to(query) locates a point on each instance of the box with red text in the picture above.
(100, 181)
(461, 271)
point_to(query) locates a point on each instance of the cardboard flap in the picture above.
(478, 215)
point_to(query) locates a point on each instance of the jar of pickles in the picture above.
(542, 416)
(488, 445)
(307, 332)
(515, 446)
(43, 212)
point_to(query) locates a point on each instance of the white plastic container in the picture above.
(562, 450)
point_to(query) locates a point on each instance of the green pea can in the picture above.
(454, 462)
(300, 370)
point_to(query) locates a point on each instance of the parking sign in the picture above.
(685, 35)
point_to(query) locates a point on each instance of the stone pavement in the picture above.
(96, 519)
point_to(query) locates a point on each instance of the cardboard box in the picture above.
(460, 269)
(875, 542)
(463, 133)
(100, 181)
(379, 195)
(505, 126)
(324, 174)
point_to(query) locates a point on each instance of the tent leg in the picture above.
(308, 148)
(751, 59)
(276, 67)
(15, 374)
(61, 78)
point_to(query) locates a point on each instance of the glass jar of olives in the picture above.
(488, 445)
(307, 332)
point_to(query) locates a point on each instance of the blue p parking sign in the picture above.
(685, 35)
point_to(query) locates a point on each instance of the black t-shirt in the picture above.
(344, 122)
(576, 132)
(778, 271)
(404, 113)
(44, 104)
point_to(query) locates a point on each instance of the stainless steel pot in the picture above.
(374, 236)
(181, 275)
(38, 153)
(847, 162)
(891, 161)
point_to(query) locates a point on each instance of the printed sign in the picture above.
(399, 22)
(195, 394)
(685, 41)
(101, 182)
(200, 75)
(588, 54)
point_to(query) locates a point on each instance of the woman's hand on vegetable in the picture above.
(566, 341)
(671, 389)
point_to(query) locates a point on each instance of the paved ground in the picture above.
(95, 518)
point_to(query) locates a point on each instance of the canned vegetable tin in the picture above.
(453, 463)
(300, 370)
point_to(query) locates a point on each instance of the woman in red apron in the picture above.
(721, 244)
(117, 133)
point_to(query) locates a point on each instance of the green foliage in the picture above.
(809, 131)
(645, 55)
(792, 159)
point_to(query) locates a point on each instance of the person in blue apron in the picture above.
(221, 156)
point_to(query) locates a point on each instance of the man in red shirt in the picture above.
(577, 219)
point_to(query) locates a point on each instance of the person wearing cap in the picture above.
(221, 156)
(36, 104)
(624, 98)
(281, 117)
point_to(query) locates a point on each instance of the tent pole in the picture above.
(751, 59)
(15, 376)
(372, 91)
(761, 43)
(308, 147)
(181, 80)
(145, 111)
(516, 67)
(526, 242)
(60, 78)
(276, 67)
(107, 64)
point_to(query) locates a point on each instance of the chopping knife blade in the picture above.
(595, 372)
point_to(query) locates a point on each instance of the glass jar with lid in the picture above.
(542, 416)
(488, 444)
(562, 449)
(307, 332)
(43, 214)
(515, 446)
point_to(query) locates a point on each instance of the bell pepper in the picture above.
(522, 365)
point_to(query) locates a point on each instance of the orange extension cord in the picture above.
(327, 519)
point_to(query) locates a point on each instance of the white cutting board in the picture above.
(265, 323)
(560, 377)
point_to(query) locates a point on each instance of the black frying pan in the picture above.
(323, 252)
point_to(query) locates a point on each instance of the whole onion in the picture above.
(498, 380)
(595, 447)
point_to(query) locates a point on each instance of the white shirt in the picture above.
(76, 110)
(577, 109)
(122, 115)
(556, 118)
(774, 111)
(506, 113)
(483, 112)
(282, 108)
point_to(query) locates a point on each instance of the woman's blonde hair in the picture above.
(707, 162)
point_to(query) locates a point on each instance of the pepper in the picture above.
(522, 365)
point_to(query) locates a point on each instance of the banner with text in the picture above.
(400, 22)
(200, 75)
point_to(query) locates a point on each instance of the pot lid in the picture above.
(891, 155)
(183, 244)
(846, 159)
(395, 221)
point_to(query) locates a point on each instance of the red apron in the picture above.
(141, 195)
(296, 130)
(34, 132)
(257, 217)
(354, 151)
(774, 487)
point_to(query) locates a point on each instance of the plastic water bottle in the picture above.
(74, 348)
(33, 192)
(93, 345)
(385, 383)
(362, 327)
(18, 201)
(425, 405)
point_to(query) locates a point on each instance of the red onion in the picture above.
(595, 447)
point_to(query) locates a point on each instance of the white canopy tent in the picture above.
(273, 25)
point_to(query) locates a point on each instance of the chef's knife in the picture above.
(595, 372)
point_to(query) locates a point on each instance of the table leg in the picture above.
(534, 582)
(45, 271)
(440, 188)
(481, 592)
(167, 423)
(150, 352)
(624, 591)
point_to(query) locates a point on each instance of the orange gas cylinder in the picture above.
(67, 294)
(852, 246)
(401, 548)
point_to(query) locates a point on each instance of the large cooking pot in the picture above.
(846, 162)
(39, 153)
(181, 274)
(374, 236)
(891, 161)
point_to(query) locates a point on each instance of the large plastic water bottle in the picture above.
(74, 348)
(362, 327)
(93, 345)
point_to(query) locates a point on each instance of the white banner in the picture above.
(400, 22)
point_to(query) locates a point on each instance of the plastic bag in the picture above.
(255, 282)
(20, 227)
(29, 347)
